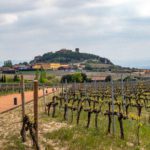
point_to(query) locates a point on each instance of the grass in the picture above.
(79, 137)
(16, 144)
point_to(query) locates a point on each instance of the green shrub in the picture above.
(16, 78)
(76, 77)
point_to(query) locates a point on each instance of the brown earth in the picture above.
(7, 101)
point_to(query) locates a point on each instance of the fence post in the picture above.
(62, 88)
(36, 109)
(85, 88)
(66, 100)
(75, 87)
(23, 105)
(54, 88)
(113, 121)
(122, 91)
(44, 98)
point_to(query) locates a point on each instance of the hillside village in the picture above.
(66, 61)
(55, 64)
(39, 66)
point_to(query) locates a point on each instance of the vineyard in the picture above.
(98, 115)
(6, 88)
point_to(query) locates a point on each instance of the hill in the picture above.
(69, 56)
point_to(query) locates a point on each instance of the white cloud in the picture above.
(104, 3)
(45, 3)
(143, 8)
(6, 19)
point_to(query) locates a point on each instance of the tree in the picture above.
(88, 67)
(77, 77)
(108, 78)
(66, 77)
(84, 77)
(3, 78)
(37, 75)
(24, 63)
(16, 78)
(8, 63)
(43, 78)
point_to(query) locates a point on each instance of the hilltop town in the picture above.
(65, 61)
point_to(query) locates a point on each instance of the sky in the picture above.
(115, 29)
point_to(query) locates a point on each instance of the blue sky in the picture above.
(116, 29)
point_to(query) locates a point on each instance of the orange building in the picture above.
(147, 71)
(48, 66)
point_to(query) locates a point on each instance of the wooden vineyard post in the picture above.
(36, 109)
(54, 88)
(122, 92)
(75, 86)
(85, 89)
(44, 98)
(94, 87)
(23, 106)
(113, 121)
(62, 88)
(103, 86)
(66, 89)
(66, 102)
(59, 87)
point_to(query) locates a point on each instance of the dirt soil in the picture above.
(7, 101)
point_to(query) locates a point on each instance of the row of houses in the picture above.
(38, 66)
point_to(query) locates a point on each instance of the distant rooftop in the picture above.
(64, 50)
